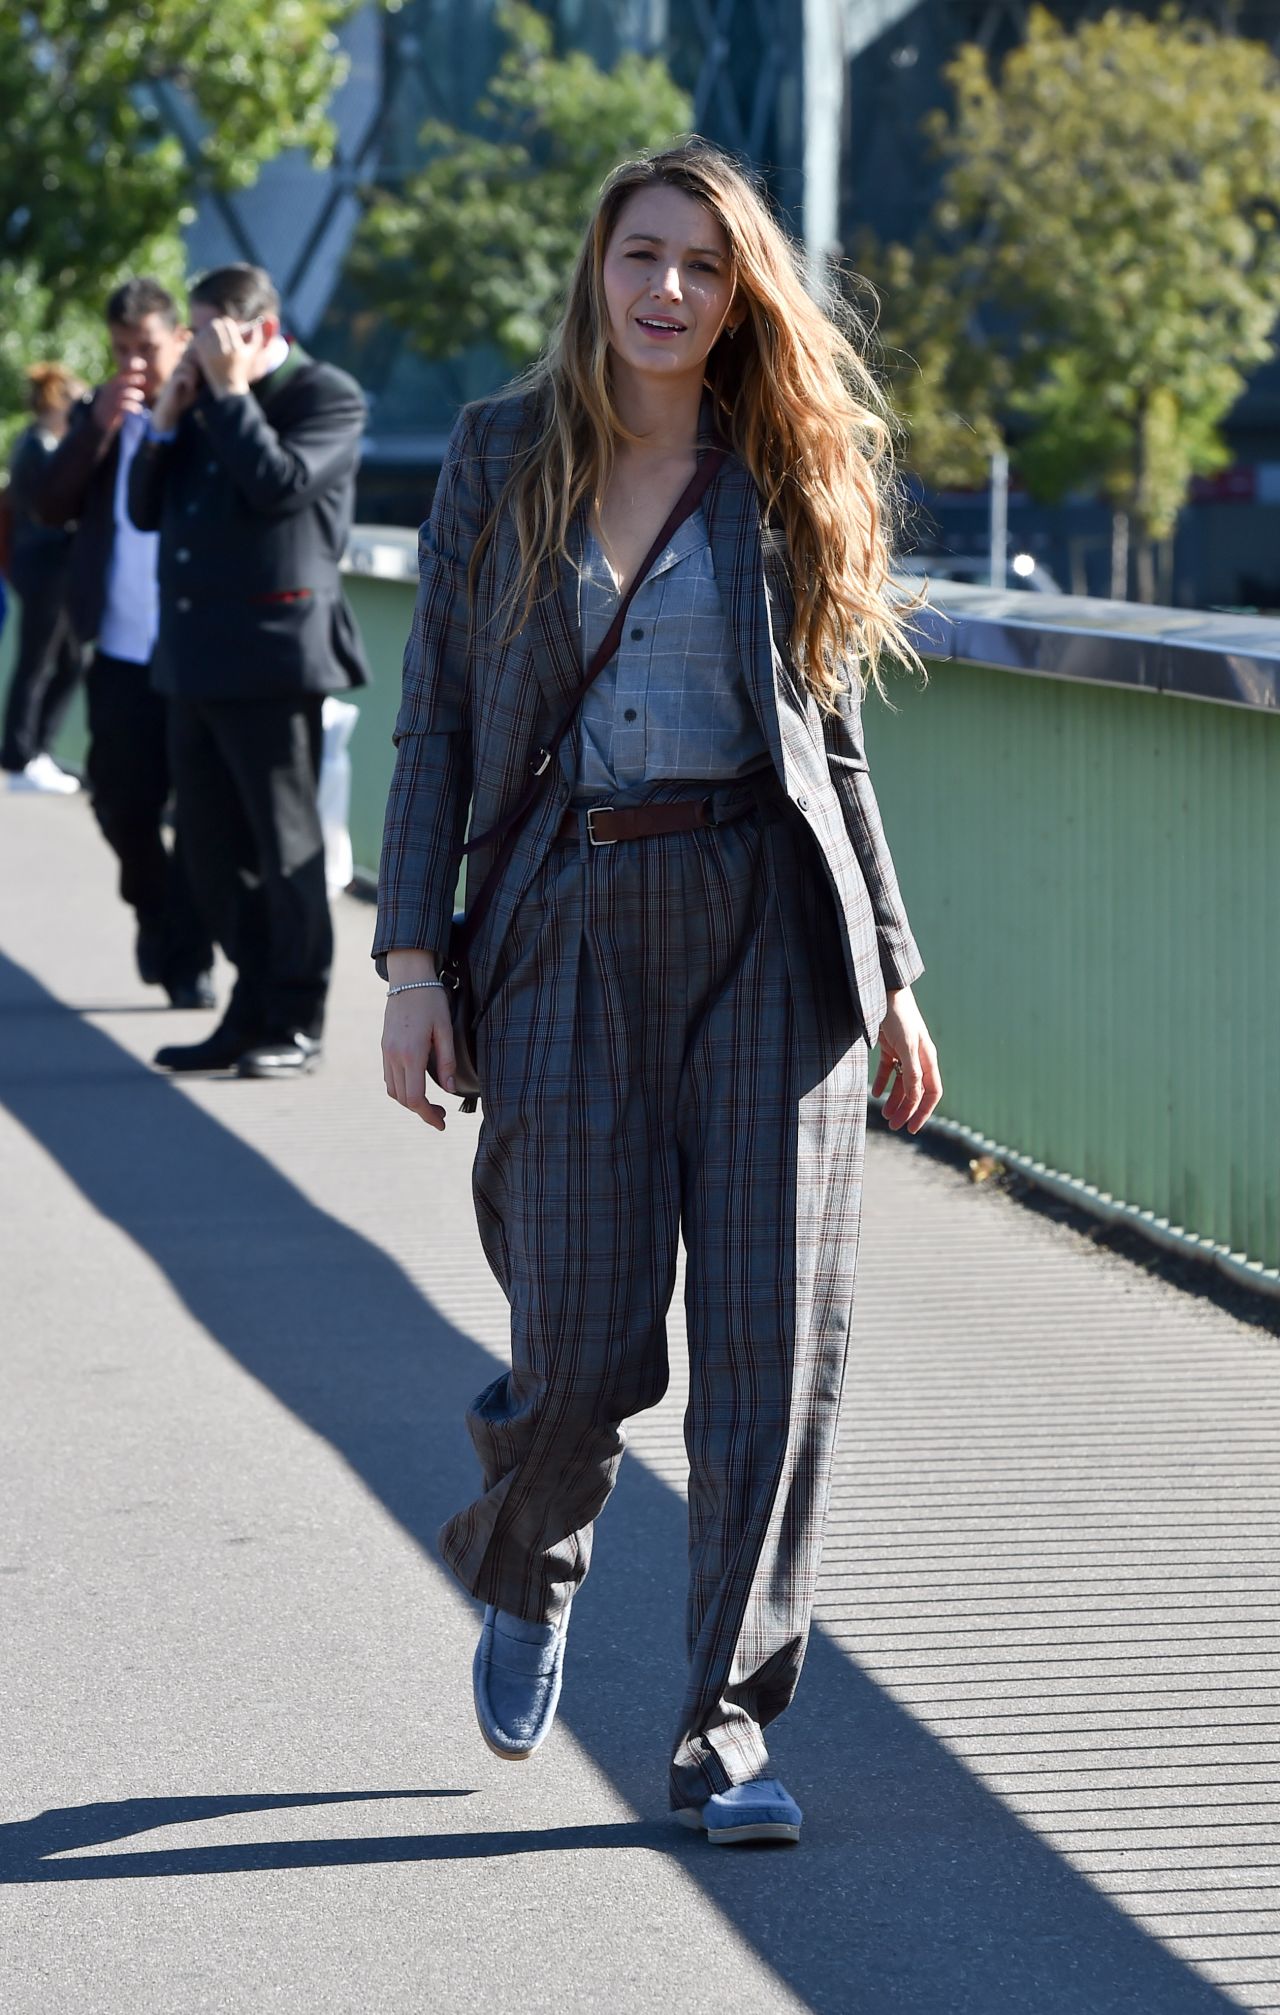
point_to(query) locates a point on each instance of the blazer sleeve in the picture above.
(431, 784)
(58, 491)
(900, 960)
(281, 471)
(30, 459)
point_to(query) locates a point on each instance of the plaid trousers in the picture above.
(670, 1041)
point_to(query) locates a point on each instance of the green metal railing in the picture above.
(1091, 860)
(1094, 877)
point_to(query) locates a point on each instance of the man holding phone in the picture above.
(247, 473)
(113, 600)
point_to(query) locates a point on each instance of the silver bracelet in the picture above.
(407, 986)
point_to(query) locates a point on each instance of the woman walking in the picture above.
(685, 930)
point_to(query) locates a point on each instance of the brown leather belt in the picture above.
(607, 824)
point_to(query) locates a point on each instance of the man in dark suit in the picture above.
(112, 599)
(248, 474)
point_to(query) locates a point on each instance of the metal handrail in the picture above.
(1196, 655)
(1190, 653)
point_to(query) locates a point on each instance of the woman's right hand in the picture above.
(417, 1027)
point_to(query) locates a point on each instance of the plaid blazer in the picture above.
(477, 704)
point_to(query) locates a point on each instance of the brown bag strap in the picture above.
(508, 828)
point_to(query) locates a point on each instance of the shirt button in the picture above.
(630, 714)
(636, 635)
(182, 553)
(802, 804)
(211, 468)
(192, 509)
(183, 604)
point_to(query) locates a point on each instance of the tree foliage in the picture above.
(947, 383)
(91, 176)
(95, 183)
(476, 247)
(1103, 257)
(33, 331)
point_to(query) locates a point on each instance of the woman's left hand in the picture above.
(907, 1048)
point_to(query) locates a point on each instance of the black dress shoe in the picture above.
(193, 993)
(218, 1051)
(292, 1056)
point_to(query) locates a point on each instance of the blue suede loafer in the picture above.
(761, 1810)
(516, 1678)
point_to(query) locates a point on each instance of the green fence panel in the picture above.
(1093, 874)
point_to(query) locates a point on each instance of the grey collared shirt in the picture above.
(672, 703)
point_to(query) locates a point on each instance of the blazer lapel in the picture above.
(557, 644)
(266, 388)
(732, 510)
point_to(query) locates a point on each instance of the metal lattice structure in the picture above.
(824, 96)
(740, 60)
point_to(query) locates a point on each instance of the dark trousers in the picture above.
(245, 773)
(48, 667)
(129, 778)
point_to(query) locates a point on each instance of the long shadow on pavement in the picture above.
(915, 1890)
(28, 1846)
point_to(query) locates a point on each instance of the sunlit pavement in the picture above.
(1037, 1736)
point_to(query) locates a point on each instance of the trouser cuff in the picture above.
(706, 1764)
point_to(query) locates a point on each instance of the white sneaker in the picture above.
(43, 774)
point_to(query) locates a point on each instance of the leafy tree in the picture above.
(94, 184)
(1106, 233)
(948, 385)
(91, 177)
(32, 331)
(475, 247)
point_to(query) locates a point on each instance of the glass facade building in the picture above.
(826, 97)
(740, 61)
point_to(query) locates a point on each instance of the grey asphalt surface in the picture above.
(1037, 1737)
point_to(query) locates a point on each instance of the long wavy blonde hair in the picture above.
(792, 396)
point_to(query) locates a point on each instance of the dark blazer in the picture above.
(253, 501)
(38, 553)
(77, 486)
(476, 706)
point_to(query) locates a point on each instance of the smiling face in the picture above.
(668, 282)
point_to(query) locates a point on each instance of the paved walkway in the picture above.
(1037, 1737)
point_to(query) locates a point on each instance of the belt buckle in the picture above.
(591, 831)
